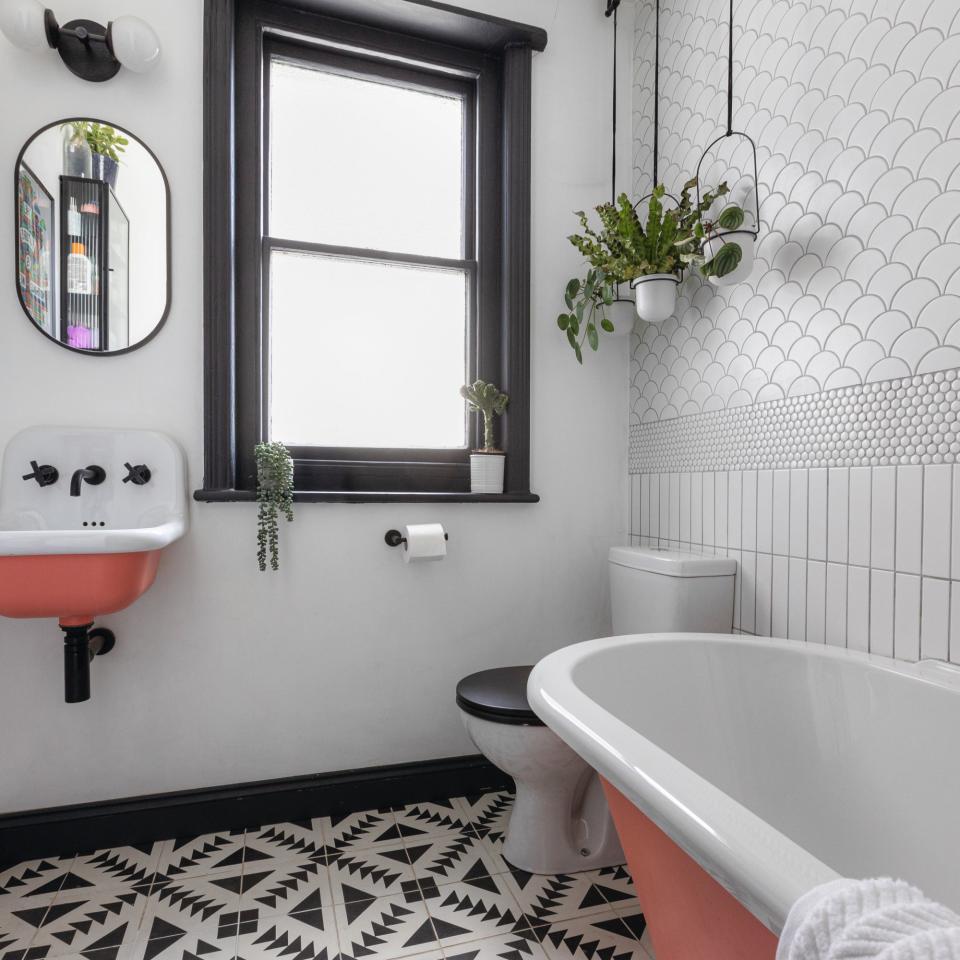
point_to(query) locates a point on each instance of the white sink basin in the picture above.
(93, 552)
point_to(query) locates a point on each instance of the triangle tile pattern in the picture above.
(375, 885)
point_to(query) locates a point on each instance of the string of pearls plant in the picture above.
(275, 497)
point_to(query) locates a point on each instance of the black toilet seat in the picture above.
(498, 695)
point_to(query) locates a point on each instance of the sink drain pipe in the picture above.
(80, 646)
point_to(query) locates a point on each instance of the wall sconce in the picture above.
(89, 49)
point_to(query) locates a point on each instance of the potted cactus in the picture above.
(486, 464)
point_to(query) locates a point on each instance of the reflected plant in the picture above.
(101, 138)
(275, 497)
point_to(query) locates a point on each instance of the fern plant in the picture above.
(623, 249)
(275, 497)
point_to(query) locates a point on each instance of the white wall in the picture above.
(346, 657)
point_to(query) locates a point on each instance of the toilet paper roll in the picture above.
(425, 541)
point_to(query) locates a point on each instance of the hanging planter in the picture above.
(656, 296)
(715, 249)
(622, 314)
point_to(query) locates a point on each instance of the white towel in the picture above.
(869, 920)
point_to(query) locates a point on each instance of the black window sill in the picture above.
(341, 496)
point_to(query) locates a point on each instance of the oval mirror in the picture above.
(93, 236)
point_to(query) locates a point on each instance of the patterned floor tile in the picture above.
(198, 856)
(362, 874)
(307, 935)
(617, 886)
(19, 928)
(438, 819)
(286, 886)
(452, 859)
(546, 899)
(282, 841)
(33, 883)
(187, 945)
(389, 928)
(523, 945)
(487, 814)
(462, 913)
(360, 831)
(609, 936)
(213, 918)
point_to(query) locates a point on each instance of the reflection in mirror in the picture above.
(92, 236)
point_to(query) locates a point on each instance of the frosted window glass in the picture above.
(364, 164)
(366, 354)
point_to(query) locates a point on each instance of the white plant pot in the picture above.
(656, 296)
(623, 315)
(747, 243)
(486, 472)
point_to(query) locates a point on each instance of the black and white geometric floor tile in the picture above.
(427, 881)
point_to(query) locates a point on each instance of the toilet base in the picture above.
(560, 822)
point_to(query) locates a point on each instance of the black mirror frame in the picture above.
(169, 244)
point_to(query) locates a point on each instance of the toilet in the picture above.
(560, 822)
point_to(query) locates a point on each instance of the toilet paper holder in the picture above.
(393, 538)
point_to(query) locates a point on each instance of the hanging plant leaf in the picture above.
(727, 260)
(593, 338)
(563, 321)
(731, 218)
(607, 325)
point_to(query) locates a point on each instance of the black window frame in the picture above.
(485, 59)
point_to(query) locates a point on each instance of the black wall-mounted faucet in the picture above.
(137, 475)
(93, 475)
(44, 474)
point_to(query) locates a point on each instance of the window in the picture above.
(371, 252)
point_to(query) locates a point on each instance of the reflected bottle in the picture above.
(77, 156)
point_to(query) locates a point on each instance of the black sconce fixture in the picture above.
(89, 49)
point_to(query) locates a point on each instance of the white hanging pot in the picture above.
(622, 313)
(746, 241)
(486, 472)
(656, 296)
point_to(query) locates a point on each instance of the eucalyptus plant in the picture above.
(487, 399)
(624, 248)
(274, 496)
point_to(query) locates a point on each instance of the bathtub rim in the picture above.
(760, 866)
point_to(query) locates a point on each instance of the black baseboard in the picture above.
(63, 831)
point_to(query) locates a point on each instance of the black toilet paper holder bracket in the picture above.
(393, 538)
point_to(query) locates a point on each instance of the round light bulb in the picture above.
(133, 42)
(22, 23)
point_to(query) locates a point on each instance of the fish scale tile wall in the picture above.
(855, 109)
(807, 421)
(862, 557)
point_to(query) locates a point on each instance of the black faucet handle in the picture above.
(44, 473)
(137, 475)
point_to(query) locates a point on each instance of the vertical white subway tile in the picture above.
(780, 597)
(635, 482)
(737, 587)
(937, 490)
(858, 608)
(781, 512)
(797, 617)
(860, 488)
(674, 520)
(734, 509)
(644, 505)
(721, 483)
(817, 516)
(836, 628)
(654, 506)
(684, 508)
(799, 485)
(708, 510)
(883, 517)
(935, 619)
(909, 518)
(748, 520)
(838, 524)
(955, 621)
(664, 506)
(764, 594)
(696, 508)
(881, 612)
(906, 617)
(748, 591)
(955, 527)
(816, 600)
(765, 511)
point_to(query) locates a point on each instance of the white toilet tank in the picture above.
(667, 591)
